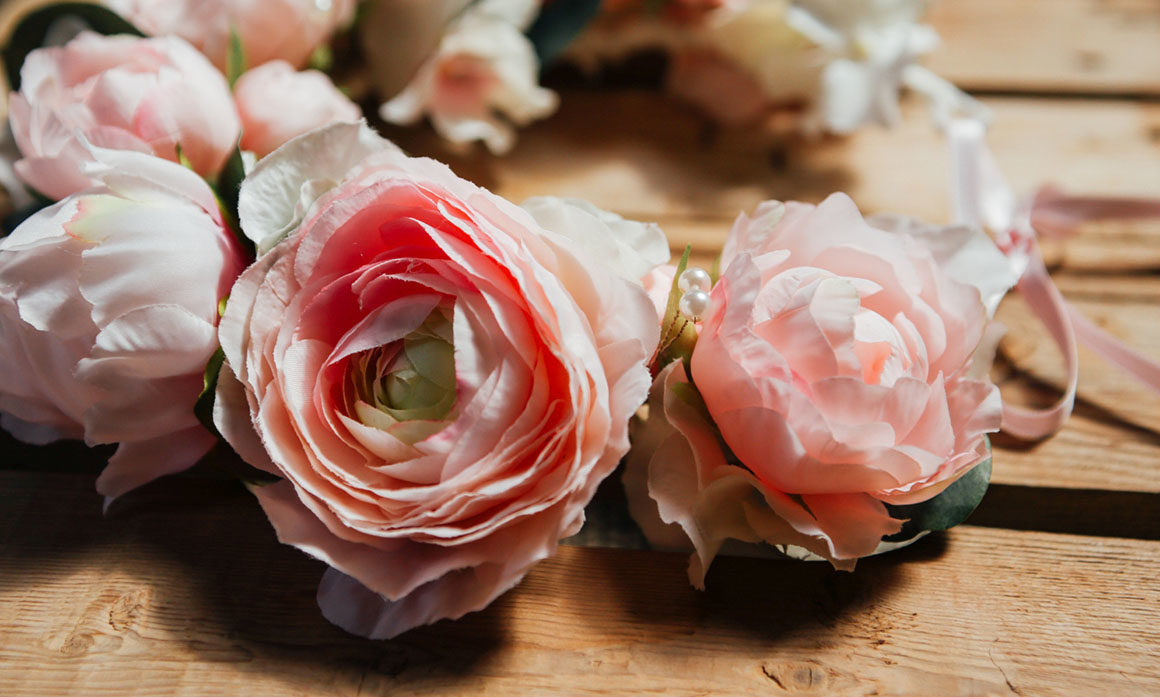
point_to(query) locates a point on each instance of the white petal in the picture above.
(145, 178)
(964, 252)
(150, 342)
(276, 195)
(630, 248)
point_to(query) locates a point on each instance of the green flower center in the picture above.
(406, 388)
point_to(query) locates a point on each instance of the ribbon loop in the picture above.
(980, 196)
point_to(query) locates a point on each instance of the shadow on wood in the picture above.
(648, 154)
(1127, 514)
(192, 566)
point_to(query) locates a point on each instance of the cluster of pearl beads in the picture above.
(694, 283)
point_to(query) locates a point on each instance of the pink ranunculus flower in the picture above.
(440, 379)
(289, 30)
(118, 92)
(836, 366)
(277, 103)
(108, 314)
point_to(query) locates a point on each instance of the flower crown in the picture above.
(426, 382)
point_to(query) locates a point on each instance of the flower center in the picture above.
(406, 388)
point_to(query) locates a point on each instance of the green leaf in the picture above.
(558, 23)
(673, 307)
(321, 59)
(229, 181)
(227, 187)
(678, 334)
(235, 58)
(32, 31)
(183, 159)
(946, 510)
(203, 407)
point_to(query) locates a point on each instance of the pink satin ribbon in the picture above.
(981, 196)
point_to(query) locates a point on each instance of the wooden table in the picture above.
(1052, 589)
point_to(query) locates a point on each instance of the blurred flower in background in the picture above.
(481, 80)
(844, 61)
(268, 29)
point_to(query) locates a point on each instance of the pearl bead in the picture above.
(694, 304)
(694, 278)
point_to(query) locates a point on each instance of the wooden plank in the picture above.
(1091, 452)
(1076, 46)
(651, 159)
(183, 591)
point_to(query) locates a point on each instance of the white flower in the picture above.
(873, 48)
(846, 59)
(482, 79)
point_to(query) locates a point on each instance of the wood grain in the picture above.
(184, 591)
(1066, 46)
(651, 159)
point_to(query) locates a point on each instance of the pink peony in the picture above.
(289, 30)
(440, 381)
(119, 92)
(108, 307)
(277, 103)
(835, 363)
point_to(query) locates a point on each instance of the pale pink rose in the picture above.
(835, 364)
(277, 103)
(123, 93)
(289, 30)
(108, 309)
(440, 381)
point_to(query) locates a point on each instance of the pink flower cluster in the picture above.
(434, 379)
(438, 379)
